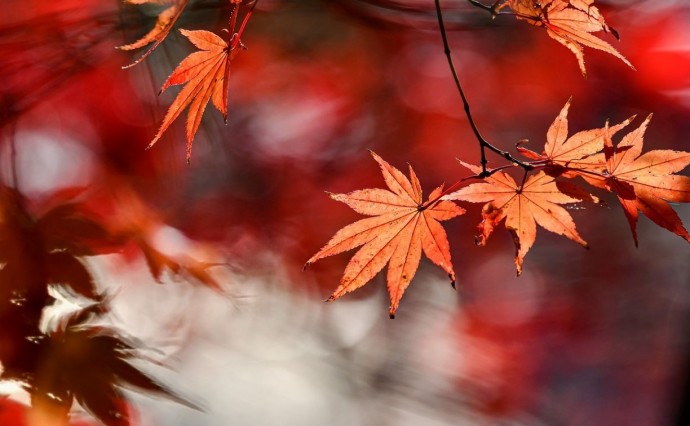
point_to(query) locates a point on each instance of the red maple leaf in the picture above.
(401, 227)
(643, 182)
(569, 22)
(205, 75)
(523, 206)
(568, 155)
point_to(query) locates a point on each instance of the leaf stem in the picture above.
(432, 203)
(232, 24)
(483, 143)
(244, 22)
(524, 179)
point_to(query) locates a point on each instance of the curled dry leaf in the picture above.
(401, 227)
(164, 23)
(523, 207)
(569, 22)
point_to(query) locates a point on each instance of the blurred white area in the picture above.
(268, 353)
(297, 124)
(46, 160)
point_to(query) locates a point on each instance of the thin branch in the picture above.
(483, 143)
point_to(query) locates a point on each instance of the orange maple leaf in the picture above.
(569, 22)
(164, 23)
(566, 154)
(205, 75)
(401, 228)
(643, 182)
(536, 202)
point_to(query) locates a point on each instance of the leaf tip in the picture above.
(614, 33)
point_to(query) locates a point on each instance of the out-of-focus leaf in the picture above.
(66, 270)
(165, 22)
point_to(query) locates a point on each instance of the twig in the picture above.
(491, 9)
(483, 143)
(489, 172)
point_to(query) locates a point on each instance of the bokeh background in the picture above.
(581, 338)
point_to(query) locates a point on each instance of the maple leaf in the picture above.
(568, 155)
(644, 182)
(164, 23)
(206, 75)
(569, 22)
(401, 227)
(536, 202)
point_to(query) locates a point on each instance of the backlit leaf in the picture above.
(400, 229)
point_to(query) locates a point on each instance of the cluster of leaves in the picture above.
(42, 251)
(403, 224)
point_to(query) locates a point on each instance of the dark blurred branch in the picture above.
(407, 14)
(483, 143)
(13, 154)
(67, 44)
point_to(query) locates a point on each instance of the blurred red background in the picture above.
(583, 337)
